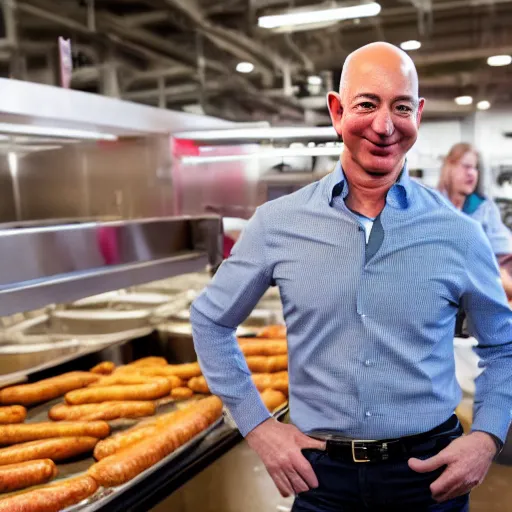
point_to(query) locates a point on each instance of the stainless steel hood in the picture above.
(62, 263)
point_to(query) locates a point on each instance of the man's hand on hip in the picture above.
(279, 447)
(467, 460)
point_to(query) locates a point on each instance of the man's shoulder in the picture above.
(293, 202)
(439, 205)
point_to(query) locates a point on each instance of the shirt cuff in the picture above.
(249, 413)
(493, 420)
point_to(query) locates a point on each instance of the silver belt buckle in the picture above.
(354, 443)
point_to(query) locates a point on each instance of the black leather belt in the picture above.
(361, 451)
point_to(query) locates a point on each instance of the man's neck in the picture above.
(458, 200)
(367, 193)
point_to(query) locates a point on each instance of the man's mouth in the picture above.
(382, 145)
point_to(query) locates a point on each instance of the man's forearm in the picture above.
(226, 371)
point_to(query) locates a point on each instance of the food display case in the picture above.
(105, 244)
(68, 310)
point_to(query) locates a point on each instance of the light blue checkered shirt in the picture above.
(370, 342)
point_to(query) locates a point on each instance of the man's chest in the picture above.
(411, 272)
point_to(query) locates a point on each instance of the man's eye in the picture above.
(366, 105)
(404, 108)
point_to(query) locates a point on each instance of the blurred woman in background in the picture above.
(460, 183)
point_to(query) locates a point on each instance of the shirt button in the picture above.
(367, 363)
(363, 315)
(367, 414)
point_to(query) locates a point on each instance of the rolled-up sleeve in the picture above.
(490, 322)
(497, 233)
(237, 286)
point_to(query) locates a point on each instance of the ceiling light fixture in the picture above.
(292, 132)
(410, 45)
(483, 105)
(499, 60)
(314, 80)
(52, 131)
(464, 100)
(319, 16)
(245, 67)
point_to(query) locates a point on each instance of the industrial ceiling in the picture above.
(183, 54)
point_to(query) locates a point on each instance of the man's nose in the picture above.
(383, 124)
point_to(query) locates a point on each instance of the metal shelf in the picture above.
(56, 264)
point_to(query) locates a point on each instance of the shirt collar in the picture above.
(399, 194)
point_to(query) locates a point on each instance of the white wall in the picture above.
(435, 139)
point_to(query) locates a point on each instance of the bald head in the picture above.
(378, 59)
(377, 111)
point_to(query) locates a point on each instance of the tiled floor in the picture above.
(238, 482)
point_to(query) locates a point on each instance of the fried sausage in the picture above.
(132, 435)
(182, 393)
(47, 389)
(252, 347)
(122, 440)
(56, 449)
(125, 379)
(199, 385)
(272, 399)
(51, 498)
(104, 368)
(209, 408)
(273, 331)
(12, 414)
(149, 361)
(183, 371)
(277, 381)
(123, 466)
(104, 411)
(156, 388)
(12, 434)
(25, 474)
(262, 364)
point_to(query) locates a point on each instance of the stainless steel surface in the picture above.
(123, 179)
(63, 263)
(43, 105)
(18, 365)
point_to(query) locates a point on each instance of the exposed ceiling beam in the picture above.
(176, 93)
(145, 18)
(233, 41)
(459, 55)
(174, 72)
(464, 79)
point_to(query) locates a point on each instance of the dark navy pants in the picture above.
(374, 487)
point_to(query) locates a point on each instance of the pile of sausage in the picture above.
(78, 426)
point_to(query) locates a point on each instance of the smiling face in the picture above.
(377, 112)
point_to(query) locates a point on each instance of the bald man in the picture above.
(372, 268)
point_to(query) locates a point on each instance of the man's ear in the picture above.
(335, 110)
(421, 105)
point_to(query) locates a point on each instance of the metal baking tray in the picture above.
(19, 361)
(79, 466)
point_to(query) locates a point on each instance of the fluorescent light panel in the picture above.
(319, 16)
(464, 100)
(245, 67)
(499, 60)
(410, 45)
(271, 153)
(51, 131)
(483, 105)
(261, 133)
